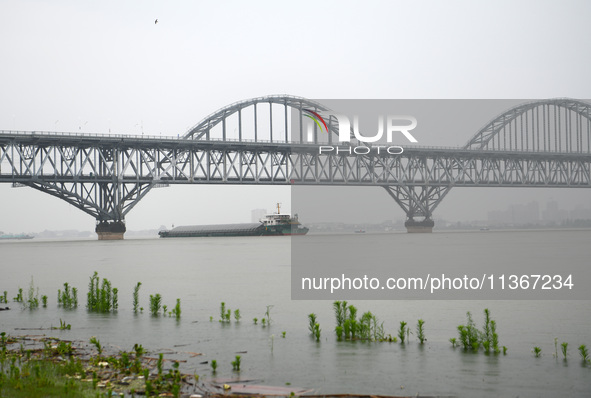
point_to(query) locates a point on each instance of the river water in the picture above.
(251, 273)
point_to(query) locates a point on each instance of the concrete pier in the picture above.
(419, 227)
(110, 230)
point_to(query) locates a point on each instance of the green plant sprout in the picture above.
(421, 331)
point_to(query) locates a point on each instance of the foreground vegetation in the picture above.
(60, 368)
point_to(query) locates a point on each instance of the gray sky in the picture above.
(105, 66)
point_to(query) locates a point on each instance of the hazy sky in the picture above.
(105, 66)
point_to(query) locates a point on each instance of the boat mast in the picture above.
(278, 208)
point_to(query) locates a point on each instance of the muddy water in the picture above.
(251, 273)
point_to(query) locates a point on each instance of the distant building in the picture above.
(580, 213)
(516, 215)
(552, 214)
(257, 214)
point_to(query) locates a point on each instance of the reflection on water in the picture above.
(251, 273)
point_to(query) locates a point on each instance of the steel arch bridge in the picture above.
(266, 140)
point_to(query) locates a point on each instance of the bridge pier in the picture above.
(110, 230)
(418, 201)
(421, 227)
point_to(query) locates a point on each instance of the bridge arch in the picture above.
(248, 115)
(552, 125)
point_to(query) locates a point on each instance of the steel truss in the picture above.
(106, 176)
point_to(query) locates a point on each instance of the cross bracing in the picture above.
(106, 176)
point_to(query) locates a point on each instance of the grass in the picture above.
(537, 352)
(39, 379)
(57, 371)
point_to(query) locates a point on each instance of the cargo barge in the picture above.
(271, 225)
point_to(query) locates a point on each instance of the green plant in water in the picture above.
(487, 333)
(177, 309)
(353, 325)
(564, 348)
(317, 332)
(100, 296)
(64, 325)
(136, 296)
(311, 322)
(214, 365)
(164, 309)
(236, 363)
(283, 334)
(473, 338)
(67, 298)
(255, 320)
(223, 312)
(4, 297)
(237, 315)
(44, 301)
(486, 346)
(339, 332)
(32, 301)
(584, 353)
(268, 314)
(495, 337)
(19, 296)
(402, 332)
(155, 304)
(469, 336)
(537, 352)
(115, 299)
(453, 342)
(421, 331)
(340, 312)
(504, 350)
(264, 322)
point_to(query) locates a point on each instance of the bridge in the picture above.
(271, 140)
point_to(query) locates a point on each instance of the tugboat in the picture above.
(276, 224)
(282, 224)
